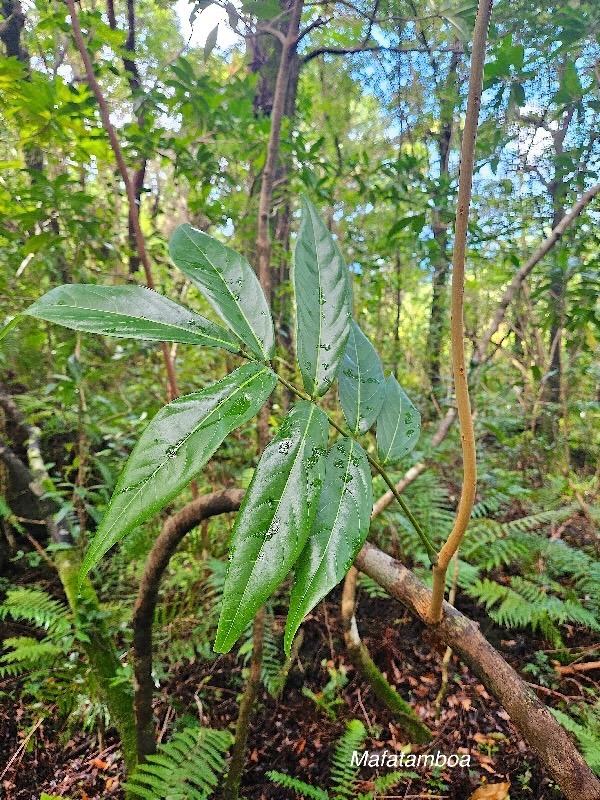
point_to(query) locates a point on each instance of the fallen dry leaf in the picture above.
(491, 791)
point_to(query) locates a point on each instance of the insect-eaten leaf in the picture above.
(275, 518)
(132, 312)
(228, 281)
(340, 528)
(361, 382)
(323, 302)
(174, 447)
(398, 424)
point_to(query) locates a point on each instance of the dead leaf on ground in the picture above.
(491, 791)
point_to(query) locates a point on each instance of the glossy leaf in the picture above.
(398, 424)
(361, 382)
(228, 281)
(340, 528)
(174, 447)
(275, 519)
(133, 312)
(323, 302)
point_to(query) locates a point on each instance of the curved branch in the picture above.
(367, 669)
(369, 48)
(174, 529)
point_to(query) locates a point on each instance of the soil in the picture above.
(295, 734)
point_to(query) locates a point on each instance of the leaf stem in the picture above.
(430, 549)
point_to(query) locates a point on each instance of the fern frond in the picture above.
(186, 768)
(273, 659)
(343, 772)
(371, 587)
(26, 654)
(36, 607)
(588, 735)
(301, 787)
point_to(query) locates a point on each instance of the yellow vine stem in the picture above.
(463, 404)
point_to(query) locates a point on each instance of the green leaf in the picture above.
(398, 424)
(340, 528)
(211, 42)
(128, 312)
(361, 382)
(323, 302)
(174, 448)
(228, 281)
(275, 519)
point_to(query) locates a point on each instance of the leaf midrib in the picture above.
(337, 514)
(181, 443)
(173, 325)
(300, 449)
(320, 335)
(398, 419)
(236, 302)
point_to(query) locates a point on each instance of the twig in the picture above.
(124, 172)
(585, 666)
(463, 404)
(21, 747)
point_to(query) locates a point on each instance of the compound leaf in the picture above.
(133, 312)
(275, 518)
(323, 302)
(398, 424)
(174, 447)
(340, 528)
(228, 282)
(361, 382)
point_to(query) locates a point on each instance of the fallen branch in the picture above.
(530, 716)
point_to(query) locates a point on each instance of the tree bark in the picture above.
(539, 728)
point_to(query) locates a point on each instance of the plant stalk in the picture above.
(463, 404)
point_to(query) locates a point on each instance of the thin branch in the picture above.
(465, 417)
(479, 356)
(370, 48)
(124, 172)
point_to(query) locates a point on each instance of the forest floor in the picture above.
(297, 735)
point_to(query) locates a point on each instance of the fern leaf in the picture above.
(301, 787)
(186, 768)
(343, 773)
(588, 736)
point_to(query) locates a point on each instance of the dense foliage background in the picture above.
(371, 129)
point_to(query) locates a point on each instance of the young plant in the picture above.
(308, 505)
